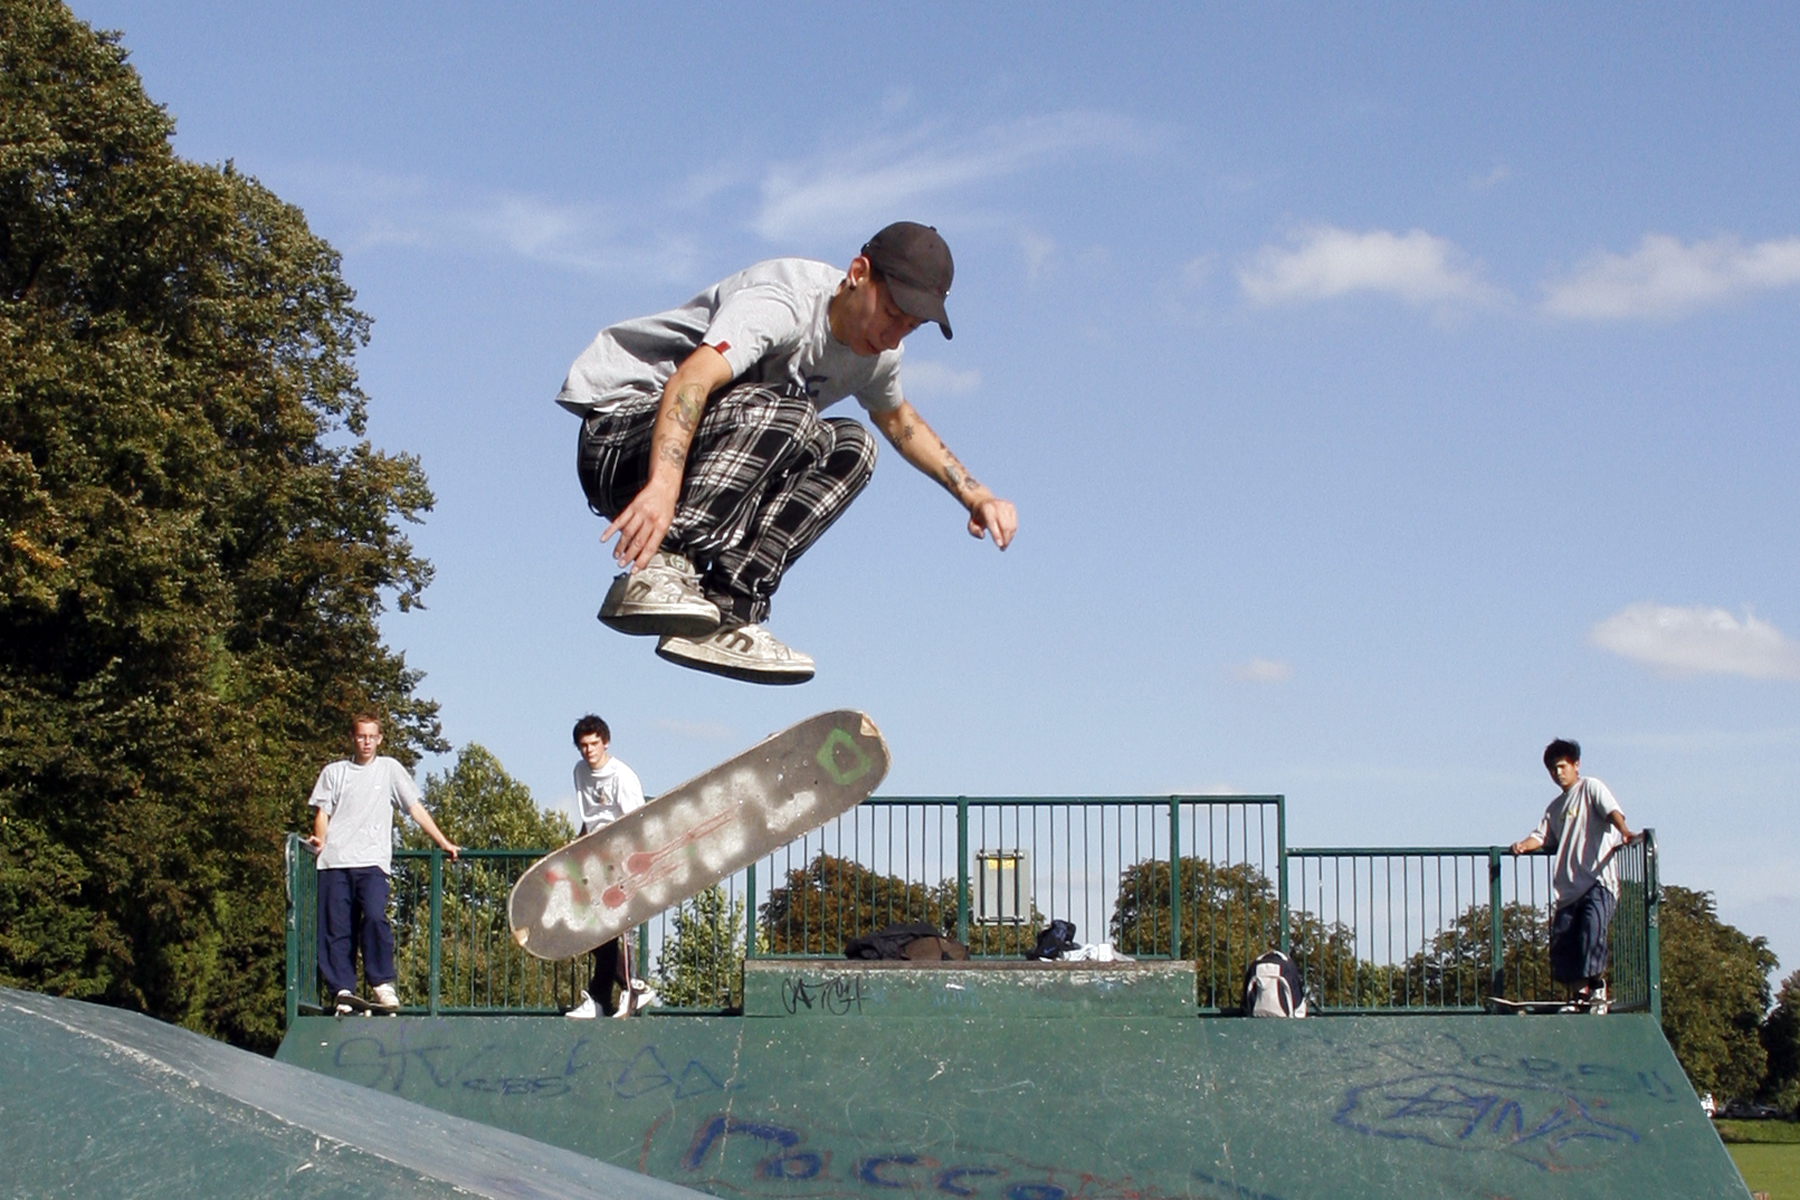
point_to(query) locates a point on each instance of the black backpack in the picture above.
(1054, 941)
(1273, 987)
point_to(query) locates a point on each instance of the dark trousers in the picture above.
(1580, 936)
(612, 969)
(353, 913)
(766, 475)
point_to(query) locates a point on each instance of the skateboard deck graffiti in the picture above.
(692, 836)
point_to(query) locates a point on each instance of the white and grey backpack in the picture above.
(1273, 987)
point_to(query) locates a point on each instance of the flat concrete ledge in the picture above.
(802, 988)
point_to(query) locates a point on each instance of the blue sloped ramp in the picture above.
(101, 1103)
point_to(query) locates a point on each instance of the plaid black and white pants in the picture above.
(766, 475)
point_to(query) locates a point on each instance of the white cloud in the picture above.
(857, 189)
(374, 209)
(1323, 262)
(1481, 183)
(1262, 670)
(1663, 278)
(1698, 641)
(926, 378)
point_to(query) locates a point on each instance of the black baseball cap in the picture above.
(915, 263)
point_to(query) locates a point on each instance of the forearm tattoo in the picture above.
(689, 402)
(956, 477)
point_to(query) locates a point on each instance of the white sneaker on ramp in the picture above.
(662, 599)
(587, 1010)
(739, 651)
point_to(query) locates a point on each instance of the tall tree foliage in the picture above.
(1715, 983)
(1781, 1043)
(195, 543)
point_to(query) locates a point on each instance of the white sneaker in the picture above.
(662, 599)
(739, 651)
(346, 1003)
(386, 999)
(587, 1010)
(636, 999)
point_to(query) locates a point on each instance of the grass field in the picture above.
(1769, 1167)
(1775, 1133)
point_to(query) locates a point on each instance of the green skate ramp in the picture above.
(829, 1098)
(101, 1103)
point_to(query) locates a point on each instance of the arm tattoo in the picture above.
(688, 404)
(956, 477)
(675, 456)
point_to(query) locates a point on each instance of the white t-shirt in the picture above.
(603, 796)
(360, 802)
(770, 323)
(1577, 828)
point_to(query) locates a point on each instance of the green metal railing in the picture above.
(1394, 929)
(1413, 929)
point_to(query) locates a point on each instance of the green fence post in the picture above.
(1281, 866)
(750, 911)
(1496, 922)
(1652, 919)
(437, 927)
(293, 928)
(1175, 879)
(962, 869)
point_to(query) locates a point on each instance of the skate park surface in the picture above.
(1051, 1081)
(103, 1103)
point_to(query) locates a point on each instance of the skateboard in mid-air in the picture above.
(692, 836)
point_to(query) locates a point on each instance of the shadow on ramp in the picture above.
(99, 1102)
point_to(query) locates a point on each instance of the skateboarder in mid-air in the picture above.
(701, 440)
(353, 835)
(605, 790)
(1581, 828)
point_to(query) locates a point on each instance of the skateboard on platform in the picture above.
(692, 836)
(359, 1007)
(1495, 1004)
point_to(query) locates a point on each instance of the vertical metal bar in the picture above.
(1174, 879)
(437, 933)
(962, 869)
(1496, 919)
(750, 911)
(293, 927)
(1652, 919)
(1281, 867)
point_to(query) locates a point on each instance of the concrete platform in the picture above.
(101, 1103)
(829, 988)
(893, 1092)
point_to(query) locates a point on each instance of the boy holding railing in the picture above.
(1582, 828)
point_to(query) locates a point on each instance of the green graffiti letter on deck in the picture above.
(828, 755)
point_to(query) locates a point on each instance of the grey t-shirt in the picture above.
(770, 323)
(603, 796)
(1577, 828)
(360, 802)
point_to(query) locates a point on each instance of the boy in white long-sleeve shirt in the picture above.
(605, 790)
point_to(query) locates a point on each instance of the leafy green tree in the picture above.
(1456, 967)
(1229, 916)
(480, 807)
(1715, 988)
(1781, 1043)
(832, 900)
(196, 543)
(702, 959)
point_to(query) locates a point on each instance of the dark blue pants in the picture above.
(353, 905)
(1579, 936)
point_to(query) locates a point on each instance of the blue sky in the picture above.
(1384, 391)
